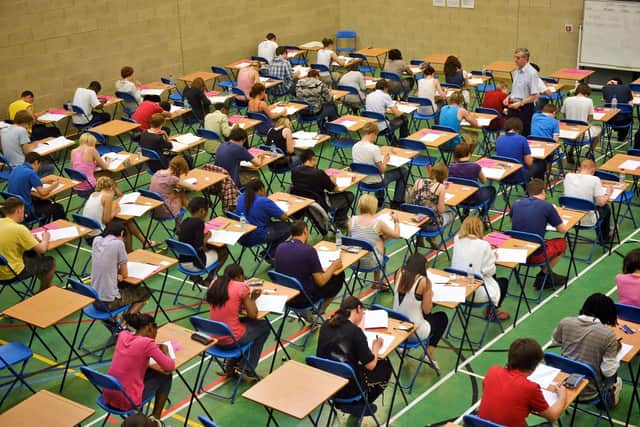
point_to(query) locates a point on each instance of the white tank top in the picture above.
(324, 58)
(93, 208)
(412, 307)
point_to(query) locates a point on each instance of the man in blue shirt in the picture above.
(379, 101)
(544, 124)
(524, 90)
(513, 144)
(25, 177)
(231, 153)
(531, 215)
(280, 68)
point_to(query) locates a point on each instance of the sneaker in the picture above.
(249, 375)
(559, 280)
(540, 281)
(158, 422)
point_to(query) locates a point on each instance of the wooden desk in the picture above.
(204, 179)
(204, 75)
(339, 173)
(310, 144)
(554, 87)
(46, 409)
(501, 67)
(292, 53)
(338, 94)
(153, 87)
(399, 152)
(44, 149)
(542, 150)
(268, 82)
(483, 120)
(437, 59)
(578, 130)
(404, 107)
(347, 258)
(507, 168)
(247, 123)
(239, 64)
(604, 114)
(572, 217)
(433, 138)
(353, 123)
(160, 261)
(62, 223)
(295, 203)
(613, 165)
(108, 101)
(634, 341)
(456, 193)
(270, 288)
(115, 128)
(295, 389)
(60, 114)
(181, 147)
(63, 184)
(370, 82)
(133, 160)
(375, 52)
(457, 281)
(264, 157)
(513, 243)
(177, 112)
(572, 74)
(141, 200)
(228, 224)
(291, 108)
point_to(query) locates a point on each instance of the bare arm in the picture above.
(528, 160)
(43, 245)
(99, 161)
(388, 231)
(322, 278)
(464, 114)
(554, 411)
(123, 271)
(481, 178)
(424, 289)
(250, 307)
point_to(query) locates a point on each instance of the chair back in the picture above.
(219, 70)
(529, 237)
(550, 80)
(365, 168)
(336, 128)
(207, 422)
(633, 152)
(353, 241)
(450, 85)
(485, 73)
(260, 58)
(151, 194)
(423, 102)
(85, 221)
(475, 421)
(167, 81)
(607, 176)
(576, 203)
(340, 369)
(259, 116)
(540, 138)
(570, 366)
(128, 119)
(181, 248)
(484, 110)
(464, 181)
(76, 174)
(232, 215)
(419, 210)
(105, 382)
(352, 90)
(345, 35)
(373, 115)
(238, 92)
(628, 312)
(82, 289)
(77, 110)
(443, 128)
(208, 134)
(126, 97)
(320, 67)
(290, 282)
(574, 122)
(99, 137)
(394, 314)
(390, 76)
(151, 154)
(625, 109)
(212, 327)
(411, 144)
(5, 195)
(462, 273)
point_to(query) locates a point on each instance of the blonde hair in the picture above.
(370, 128)
(439, 172)
(471, 227)
(87, 139)
(283, 122)
(105, 183)
(456, 98)
(178, 166)
(367, 204)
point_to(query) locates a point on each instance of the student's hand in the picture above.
(386, 157)
(377, 345)
(46, 236)
(163, 348)
(255, 293)
(120, 277)
(207, 235)
(337, 264)
(561, 390)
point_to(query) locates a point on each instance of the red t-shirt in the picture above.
(229, 313)
(144, 112)
(508, 397)
(492, 99)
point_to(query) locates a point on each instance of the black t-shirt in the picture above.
(312, 183)
(157, 143)
(192, 232)
(622, 93)
(198, 101)
(345, 343)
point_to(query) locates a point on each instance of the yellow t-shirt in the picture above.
(16, 106)
(17, 240)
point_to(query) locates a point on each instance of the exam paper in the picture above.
(343, 181)
(543, 375)
(129, 198)
(51, 117)
(430, 137)
(328, 257)
(156, 92)
(175, 108)
(172, 353)
(397, 161)
(493, 173)
(133, 209)
(387, 340)
(376, 319)
(483, 121)
(187, 138)
(225, 236)
(284, 206)
(271, 303)
(59, 233)
(537, 152)
(512, 255)
(437, 278)
(140, 270)
(442, 293)
(630, 164)
(403, 108)
(624, 349)
(569, 134)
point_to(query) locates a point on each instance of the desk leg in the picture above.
(397, 385)
(523, 296)
(615, 214)
(193, 391)
(271, 417)
(572, 258)
(277, 334)
(635, 395)
(72, 349)
(464, 320)
(159, 298)
(34, 334)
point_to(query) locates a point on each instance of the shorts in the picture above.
(129, 294)
(555, 248)
(35, 265)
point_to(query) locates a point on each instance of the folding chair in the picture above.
(340, 141)
(265, 124)
(102, 314)
(28, 283)
(482, 207)
(161, 220)
(259, 250)
(104, 148)
(236, 351)
(475, 421)
(238, 105)
(578, 144)
(225, 84)
(438, 233)
(393, 77)
(420, 161)
(446, 150)
(78, 111)
(347, 36)
(380, 266)
(153, 156)
(382, 119)
(352, 91)
(177, 95)
(12, 354)
(324, 69)
(128, 99)
(32, 219)
(298, 60)
(507, 184)
(418, 117)
(210, 136)
(277, 173)
(207, 422)
(484, 87)
(489, 136)
(91, 224)
(365, 66)
(5, 169)
(108, 382)
(626, 110)
(376, 188)
(305, 119)
(584, 205)
(556, 97)
(84, 195)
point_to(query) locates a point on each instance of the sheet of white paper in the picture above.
(537, 152)
(172, 353)
(60, 233)
(51, 117)
(246, 164)
(448, 196)
(550, 397)
(46, 186)
(284, 206)
(397, 161)
(415, 70)
(190, 181)
(226, 237)
(636, 100)
(175, 108)
(303, 71)
(462, 122)
(630, 164)
(301, 134)
(376, 319)
(243, 65)
(512, 255)
(569, 134)
(291, 110)
(615, 193)
(217, 99)
(178, 146)
(448, 293)
(407, 231)
(60, 141)
(347, 123)
(387, 340)
(133, 209)
(543, 375)
(484, 121)
(114, 160)
(493, 173)
(624, 349)
(310, 45)
(156, 92)
(598, 116)
(343, 181)
(304, 143)
(271, 303)
(407, 109)
(129, 198)
(327, 257)
(140, 270)
(430, 137)
(437, 278)
(475, 81)
(187, 138)
(552, 228)
(278, 110)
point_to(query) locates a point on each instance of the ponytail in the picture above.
(341, 316)
(218, 292)
(250, 191)
(138, 320)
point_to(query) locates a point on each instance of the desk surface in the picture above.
(436, 58)
(179, 147)
(188, 348)
(353, 123)
(354, 176)
(228, 224)
(141, 200)
(400, 152)
(204, 179)
(580, 129)
(296, 203)
(115, 127)
(270, 288)
(295, 389)
(501, 66)
(456, 280)
(204, 75)
(63, 184)
(456, 193)
(400, 331)
(604, 114)
(48, 307)
(508, 168)
(133, 160)
(547, 148)
(631, 339)
(373, 51)
(140, 255)
(61, 223)
(347, 258)
(432, 138)
(512, 243)
(613, 164)
(46, 409)
(572, 74)
(43, 148)
(264, 158)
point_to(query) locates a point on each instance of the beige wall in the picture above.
(54, 47)
(478, 36)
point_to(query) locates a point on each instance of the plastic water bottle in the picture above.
(274, 150)
(338, 239)
(614, 102)
(484, 70)
(470, 274)
(186, 104)
(621, 177)
(243, 222)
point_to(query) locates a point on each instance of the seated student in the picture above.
(316, 92)
(16, 143)
(545, 124)
(413, 297)
(531, 215)
(379, 101)
(87, 100)
(452, 114)
(25, 177)
(227, 297)
(430, 192)
(508, 396)
(280, 68)
(589, 338)
(309, 181)
(512, 144)
(259, 211)
(454, 74)
(471, 250)
(463, 167)
(103, 207)
(628, 283)
(128, 84)
(327, 56)
(355, 79)
(23, 251)
(247, 77)
(585, 185)
(38, 131)
(396, 65)
(280, 135)
(342, 339)
(580, 107)
(218, 121)
(192, 232)
(155, 138)
(232, 152)
(366, 151)
(267, 47)
(86, 159)
(297, 258)
(166, 182)
(429, 87)
(366, 226)
(130, 365)
(198, 101)
(615, 88)
(109, 269)
(258, 104)
(495, 99)
(150, 105)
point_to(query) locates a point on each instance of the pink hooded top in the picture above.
(129, 364)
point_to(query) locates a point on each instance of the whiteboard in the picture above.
(611, 34)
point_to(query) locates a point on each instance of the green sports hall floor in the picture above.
(434, 400)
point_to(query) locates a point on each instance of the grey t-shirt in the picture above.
(13, 138)
(107, 254)
(366, 152)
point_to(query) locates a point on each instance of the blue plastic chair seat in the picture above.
(13, 353)
(216, 351)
